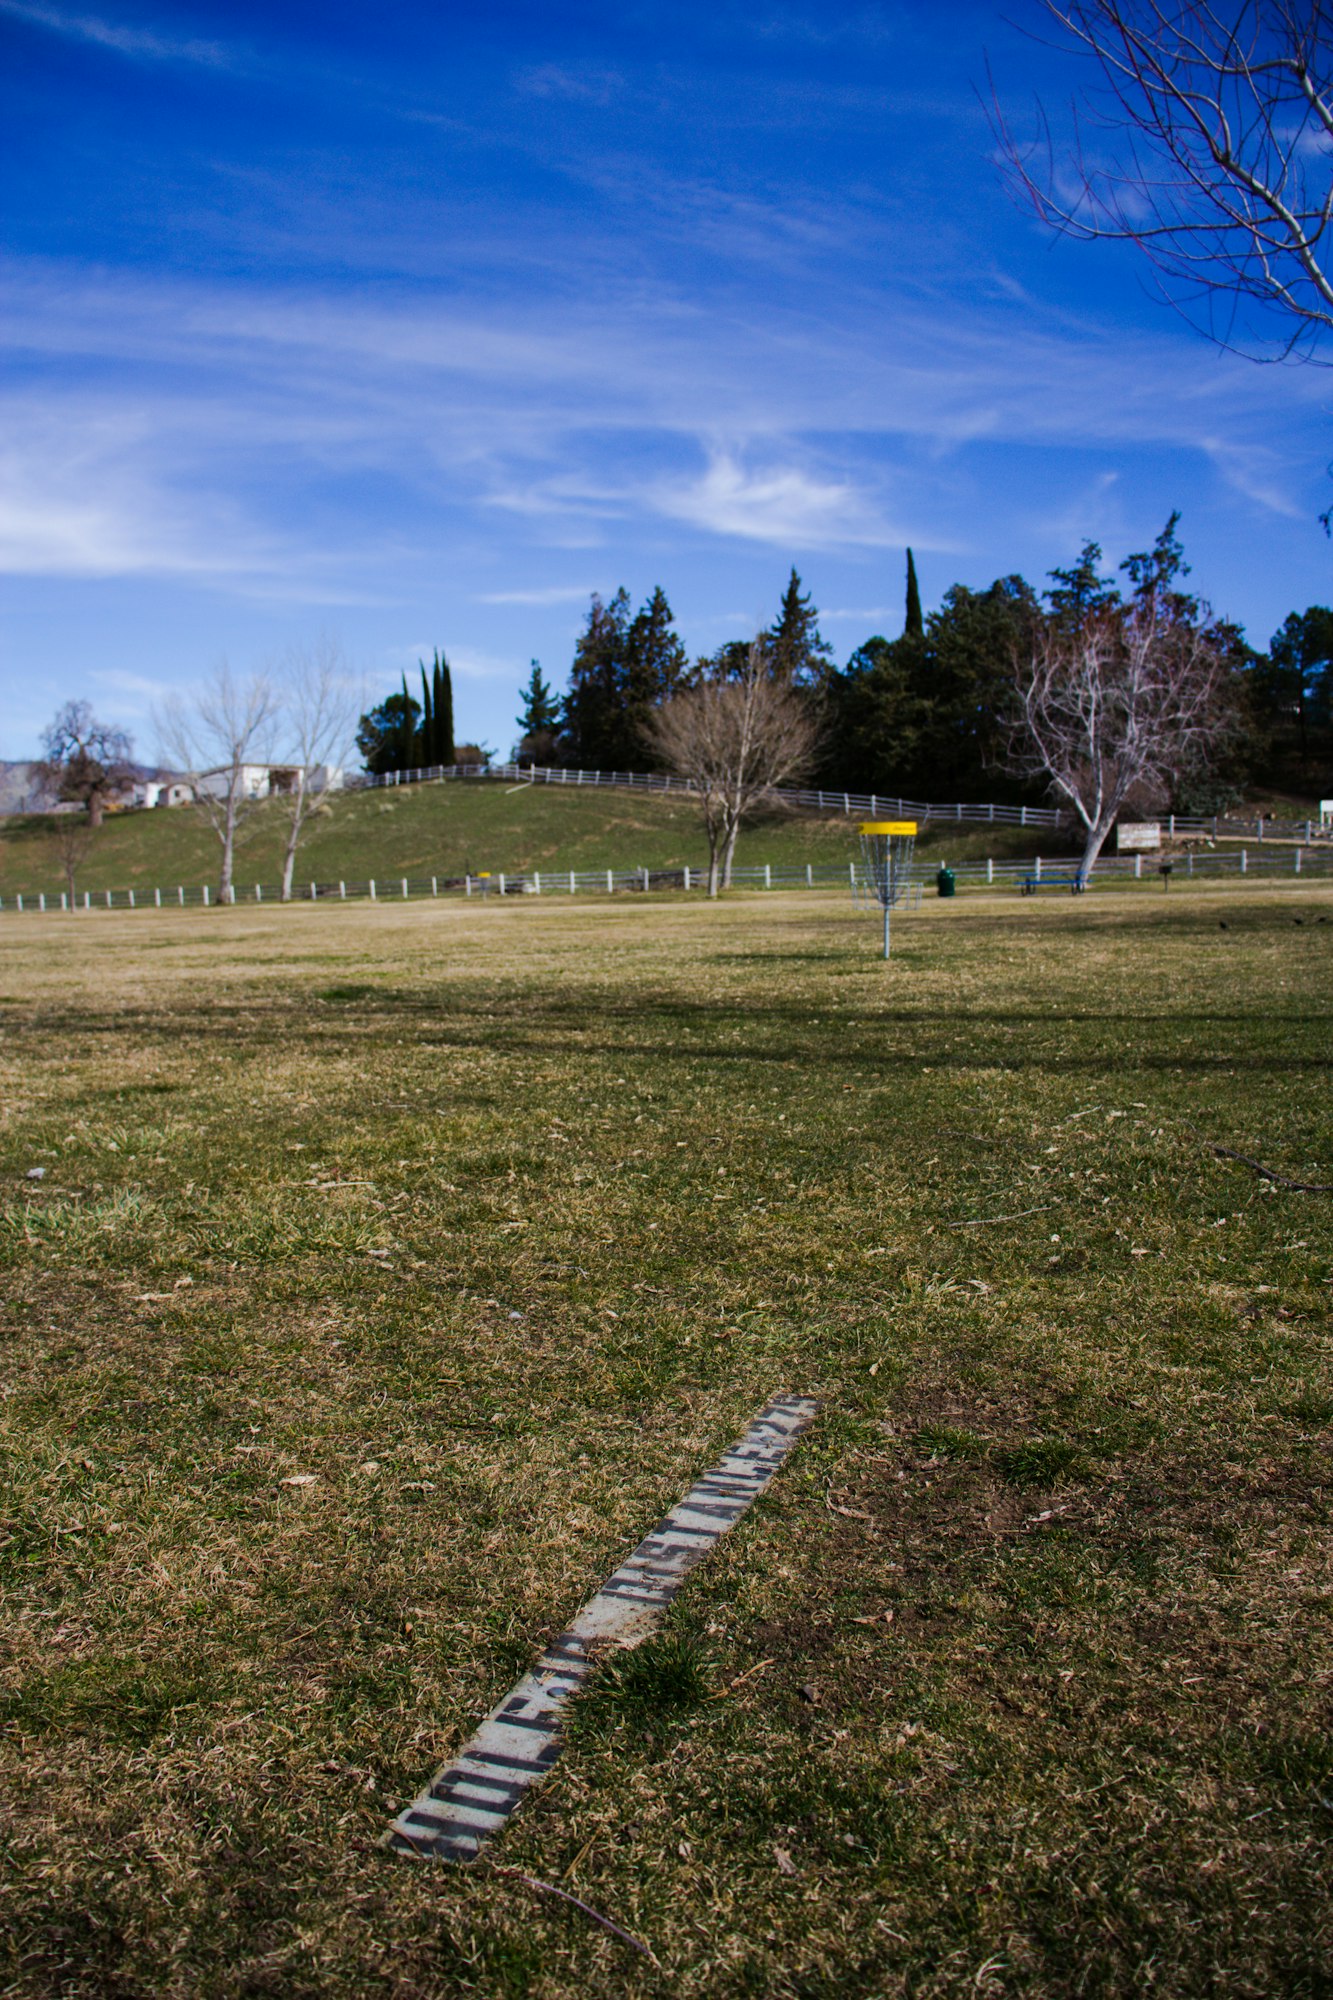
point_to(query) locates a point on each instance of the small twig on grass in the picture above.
(848, 1513)
(740, 1680)
(578, 1857)
(1267, 1173)
(566, 1896)
(977, 1221)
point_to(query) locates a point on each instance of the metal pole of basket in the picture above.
(886, 848)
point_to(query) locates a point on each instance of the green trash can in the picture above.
(945, 883)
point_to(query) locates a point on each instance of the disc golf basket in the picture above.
(885, 877)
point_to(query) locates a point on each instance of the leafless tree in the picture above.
(74, 837)
(734, 740)
(86, 760)
(210, 739)
(1207, 140)
(320, 705)
(1114, 705)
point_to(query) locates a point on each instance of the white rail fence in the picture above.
(1240, 864)
(869, 805)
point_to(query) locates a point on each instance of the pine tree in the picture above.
(386, 733)
(539, 720)
(655, 666)
(913, 623)
(796, 650)
(592, 710)
(541, 710)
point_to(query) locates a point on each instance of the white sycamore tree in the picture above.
(1115, 699)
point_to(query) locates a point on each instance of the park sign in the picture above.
(1138, 836)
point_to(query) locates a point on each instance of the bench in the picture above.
(1029, 884)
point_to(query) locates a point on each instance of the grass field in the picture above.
(456, 829)
(491, 1226)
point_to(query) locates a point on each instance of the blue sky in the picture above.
(413, 327)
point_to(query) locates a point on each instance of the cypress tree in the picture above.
(913, 624)
(443, 710)
(427, 731)
(409, 735)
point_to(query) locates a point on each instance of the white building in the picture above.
(256, 781)
(162, 792)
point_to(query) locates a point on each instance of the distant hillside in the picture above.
(449, 829)
(16, 788)
(21, 793)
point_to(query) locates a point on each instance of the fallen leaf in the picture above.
(298, 1479)
(786, 1866)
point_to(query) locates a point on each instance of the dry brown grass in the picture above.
(496, 1223)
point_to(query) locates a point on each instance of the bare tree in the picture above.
(1210, 146)
(74, 837)
(86, 761)
(734, 740)
(1115, 700)
(320, 704)
(211, 739)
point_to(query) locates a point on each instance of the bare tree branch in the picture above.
(320, 704)
(1207, 140)
(86, 761)
(734, 740)
(75, 834)
(1112, 705)
(210, 740)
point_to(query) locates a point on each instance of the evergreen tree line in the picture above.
(926, 715)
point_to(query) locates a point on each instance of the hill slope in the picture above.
(449, 829)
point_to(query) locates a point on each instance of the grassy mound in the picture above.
(450, 830)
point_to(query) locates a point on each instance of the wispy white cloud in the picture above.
(826, 26)
(1257, 473)
(780, 504)
(178, 428)
(560, 593)
(135, 42)
(477, 664)
(577, 82)
(120, 681)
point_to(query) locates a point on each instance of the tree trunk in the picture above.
(712, 862)
(729, 849)
(228, 846)
(293, 836)
(94, 809)
(1092, 846)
